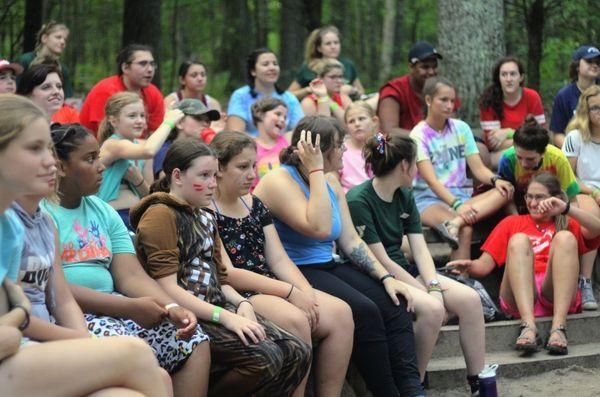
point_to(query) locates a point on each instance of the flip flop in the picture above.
(443, 229)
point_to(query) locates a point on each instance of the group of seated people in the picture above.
(247, 250)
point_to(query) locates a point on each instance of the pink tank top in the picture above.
(268, 158)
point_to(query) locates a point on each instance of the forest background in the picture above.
(376, 35)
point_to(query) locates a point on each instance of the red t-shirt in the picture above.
(530, 103)
(65, 115)
(411, 105)
(92, 111)
(540, 237)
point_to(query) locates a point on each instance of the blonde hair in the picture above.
(359, 105)
(17, 113)
(314, 41)
(43, 55)
(323, 66)
(113, 108)
(581, 120)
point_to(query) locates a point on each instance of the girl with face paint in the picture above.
(178, 243)
(27, 168)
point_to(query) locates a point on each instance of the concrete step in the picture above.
(450, 372)
(500, 336)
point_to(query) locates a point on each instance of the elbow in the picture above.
(321, 232)
(148, 152)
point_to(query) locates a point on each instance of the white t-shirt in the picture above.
(587, 153)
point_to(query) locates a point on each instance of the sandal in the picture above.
(531, 344)
(445, 230)
(561, 336)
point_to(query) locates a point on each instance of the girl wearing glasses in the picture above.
(326, 98)
(540, 252)
(503, 107)
(582, 150)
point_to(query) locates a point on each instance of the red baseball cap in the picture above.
(15, 67)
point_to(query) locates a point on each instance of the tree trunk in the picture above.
(387, 39)
(33, 23)
(535, 19)
(397, 56)
(142, 25)
(293, 34)
(261, 18)
(471, 39)
(237, 41)
(312, 13)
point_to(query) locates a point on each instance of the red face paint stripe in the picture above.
(198, 187)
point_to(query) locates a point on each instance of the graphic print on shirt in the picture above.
(90, 244)
(37, 272)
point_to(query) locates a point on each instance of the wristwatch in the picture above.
(494, 178)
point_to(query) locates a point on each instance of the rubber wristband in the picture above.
(242, 301)
(334, 106)
(216, 314)
(510, 133)
(595, 193)
(315, 170)
(289, 293)
(323, 99)
(456, 204)
(170, 306)
(434, 289)
(567, 208)
(139, 184)
(169, 123)
(25, 322)
(389, 275)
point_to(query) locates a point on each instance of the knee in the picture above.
(470, 302)
(432, 313)
(138, 353)
(565, 240)
(267, 360)
(299, 352)
(297, 324)
(518, 243)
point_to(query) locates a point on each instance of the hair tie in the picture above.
(380, 142)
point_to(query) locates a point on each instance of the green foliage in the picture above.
(191, 27)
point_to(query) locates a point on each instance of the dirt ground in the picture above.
(574, 381)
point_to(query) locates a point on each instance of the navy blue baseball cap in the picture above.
(586, 52)
(422, 50)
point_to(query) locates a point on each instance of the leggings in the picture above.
(384, 346)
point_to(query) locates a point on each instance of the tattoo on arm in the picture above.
(361, 259)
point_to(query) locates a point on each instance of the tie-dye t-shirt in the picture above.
(554, 161)
(89, 236)
(447, 152)
(267, 159)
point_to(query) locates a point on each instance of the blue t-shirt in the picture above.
(304, 250)
(564, 107)
(159, 158)
(241, 102)
(113, 176)
(89, 236)
(11, 245)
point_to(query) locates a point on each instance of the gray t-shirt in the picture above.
(36, 272)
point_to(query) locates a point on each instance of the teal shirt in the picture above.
(11, 245)
(379, 221)
(112, 177)
(89, 236)
(26, 59)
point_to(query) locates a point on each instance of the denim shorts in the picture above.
(426, 198)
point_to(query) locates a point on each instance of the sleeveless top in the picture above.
(336, 97)
(304, 250)
(113, 176)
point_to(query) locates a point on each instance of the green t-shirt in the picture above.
(378, 221)
(305, 75)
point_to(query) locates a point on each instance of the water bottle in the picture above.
(487, 381)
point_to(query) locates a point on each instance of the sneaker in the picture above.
(588, 301)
